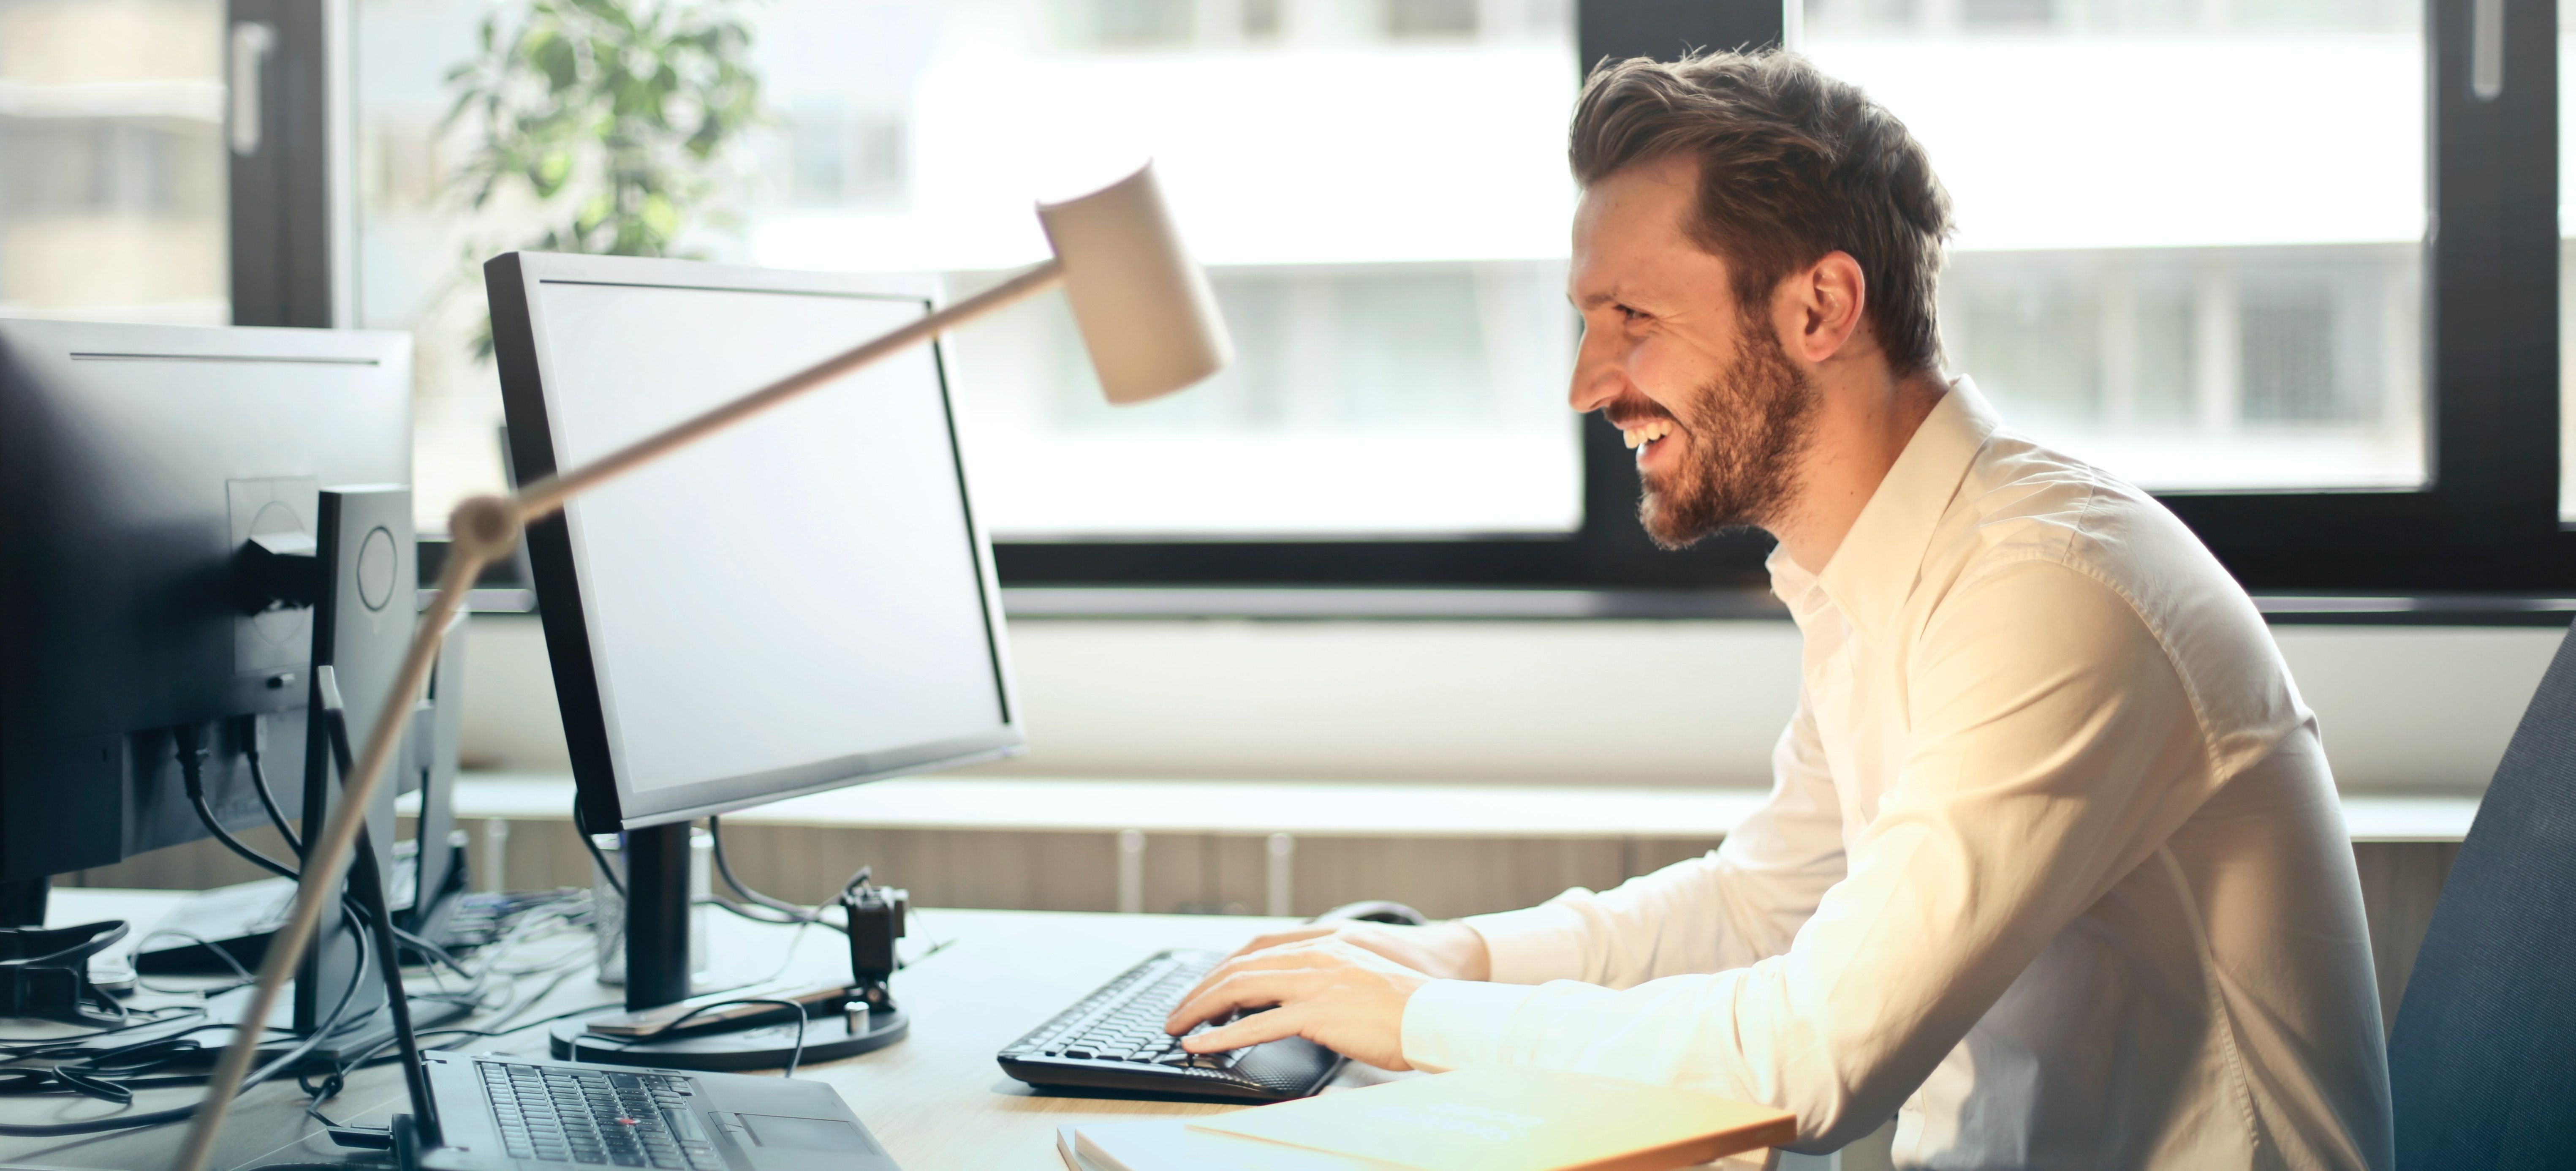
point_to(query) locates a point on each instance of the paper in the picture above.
(1515, 1119)
(1168, 1145)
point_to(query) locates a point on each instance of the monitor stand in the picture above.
(22, 901)
(657, 973)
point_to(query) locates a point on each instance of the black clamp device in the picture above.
(44, 971)
(876, 921)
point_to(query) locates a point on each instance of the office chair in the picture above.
(2482, 1064)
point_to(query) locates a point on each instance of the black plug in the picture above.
(189, 742)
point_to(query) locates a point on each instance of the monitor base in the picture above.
(760, 1046)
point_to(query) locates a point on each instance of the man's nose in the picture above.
(1599, 379)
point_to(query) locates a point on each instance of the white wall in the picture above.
(1633, 703)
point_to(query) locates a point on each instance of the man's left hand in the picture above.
(1339, 995)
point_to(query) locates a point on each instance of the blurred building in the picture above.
(112, 160)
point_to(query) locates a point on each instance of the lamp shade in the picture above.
(1144, 307)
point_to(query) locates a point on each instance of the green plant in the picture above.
(616, 116)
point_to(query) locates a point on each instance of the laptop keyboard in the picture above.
(580, 1116)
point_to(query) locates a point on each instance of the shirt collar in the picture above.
(1873, 570)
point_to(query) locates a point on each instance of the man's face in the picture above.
(1700, 385)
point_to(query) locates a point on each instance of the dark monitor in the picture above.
(136, 461)
(802, 603)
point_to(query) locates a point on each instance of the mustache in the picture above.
(1627, 415)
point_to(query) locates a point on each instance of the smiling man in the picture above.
(2052, 871)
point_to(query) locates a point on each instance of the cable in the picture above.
(331, 1084)
(437, 955)
(530, 1001)
(288, 1060)
(607, 871)
(254, 746)
(715, 831)
(218, 950)
(188, 741)
(192, 761)
(795, 1055)
(23, 1048)
(762, 914)
(794, 913)
(191, 769)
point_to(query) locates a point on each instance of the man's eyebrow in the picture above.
(1595, 300)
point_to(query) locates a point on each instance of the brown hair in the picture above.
(1793, 165)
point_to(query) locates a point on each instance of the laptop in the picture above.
(502, 1113)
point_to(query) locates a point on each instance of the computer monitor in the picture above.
(164, 484)
(137, 460)
(801, 603)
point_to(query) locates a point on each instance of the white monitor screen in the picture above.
(800, 602)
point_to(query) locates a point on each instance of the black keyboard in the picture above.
(551, 1114)
(1113, 1039)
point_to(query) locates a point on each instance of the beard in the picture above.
(1747, 430)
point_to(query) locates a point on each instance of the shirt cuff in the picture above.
(1533, 946)
(1454, 1024)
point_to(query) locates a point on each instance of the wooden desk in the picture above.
(936, 1099)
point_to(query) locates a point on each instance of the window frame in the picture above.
(289, 219)
(2488, 521)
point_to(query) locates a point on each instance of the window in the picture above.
(1390, 257)
(2190, 235)
(112, 157)
(2195, 246)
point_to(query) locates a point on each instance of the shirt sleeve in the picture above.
(1739, 903)
(2049, 736)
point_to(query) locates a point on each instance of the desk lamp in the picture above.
(1147, 318)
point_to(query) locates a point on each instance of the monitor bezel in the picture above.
(520, 350)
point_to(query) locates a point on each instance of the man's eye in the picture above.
(1628, 314)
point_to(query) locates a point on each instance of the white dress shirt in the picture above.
(2052, 870)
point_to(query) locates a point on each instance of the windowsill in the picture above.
(1324, 604)
(1717, 604)
(1334, 809)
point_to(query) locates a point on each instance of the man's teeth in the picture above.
(1639, 436)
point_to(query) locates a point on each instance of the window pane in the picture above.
(1378, 188)
(2146, 274)
(112, 164)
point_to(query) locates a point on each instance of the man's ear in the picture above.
(1828, 297)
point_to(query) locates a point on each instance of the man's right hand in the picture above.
(1442, 951)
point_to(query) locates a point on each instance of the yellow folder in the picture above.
(1515, 1119)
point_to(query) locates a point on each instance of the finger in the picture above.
(1275, 938)
(1241, 990)
(1251, 1030)
(1298, 954)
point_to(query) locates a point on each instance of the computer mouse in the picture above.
(1373, 911)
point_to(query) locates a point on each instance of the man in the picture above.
(2052, 870)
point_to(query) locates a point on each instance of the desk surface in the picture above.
(936, 1100)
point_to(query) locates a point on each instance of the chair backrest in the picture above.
(2482, 1064)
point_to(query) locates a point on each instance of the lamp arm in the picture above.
(325, 860)
(483, 530)
(542, 497)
